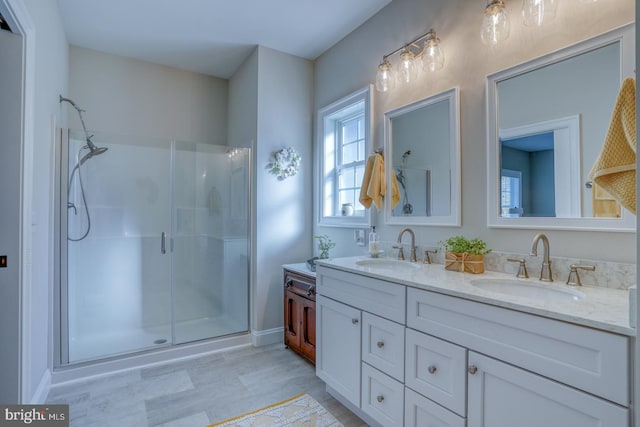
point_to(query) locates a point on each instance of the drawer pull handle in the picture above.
(288, 284)
(311, 291)
(380, 344)
(380, 398)
(354, 321)
(432, 369)
(473, 369)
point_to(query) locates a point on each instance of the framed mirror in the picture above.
(547, 123)
(422, 151)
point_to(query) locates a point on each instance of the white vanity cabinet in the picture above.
(360, 343)
(404, 356)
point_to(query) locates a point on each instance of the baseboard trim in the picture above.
(267, 337)
(72, 374)
(42, 391)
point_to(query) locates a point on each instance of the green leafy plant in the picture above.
(460, 244)
(324, 244)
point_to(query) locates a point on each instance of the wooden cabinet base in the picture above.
(300, 314)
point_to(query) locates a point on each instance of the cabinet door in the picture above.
(338, 352)
(502, 395)
(292, 319)
(308, 328)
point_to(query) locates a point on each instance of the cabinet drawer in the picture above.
(420, 412)
(383, 345)
(589, 359)
(438, 370)
(382, 298)
(300, 284)
(382, 397)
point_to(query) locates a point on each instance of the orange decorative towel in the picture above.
(615, 168)
(374, 186)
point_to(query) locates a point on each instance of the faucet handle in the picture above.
(522, 269)
(427, 259)
(400, 251)
(574, 277)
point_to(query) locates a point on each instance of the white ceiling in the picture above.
(211, 36)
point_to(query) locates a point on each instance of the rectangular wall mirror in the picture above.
(547, 122)
(422, 150)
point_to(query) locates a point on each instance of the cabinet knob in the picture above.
(380, 344)
(473, 369)
(354, 321)
(432, 369)
(380, 398)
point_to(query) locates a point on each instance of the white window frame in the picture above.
(326, 134)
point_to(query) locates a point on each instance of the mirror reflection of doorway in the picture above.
(527, 181)
(547, 154)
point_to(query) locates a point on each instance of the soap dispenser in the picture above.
(374, 244)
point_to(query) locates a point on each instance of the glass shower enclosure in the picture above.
(154, 243)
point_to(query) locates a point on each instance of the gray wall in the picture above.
(270, 107)
(131, 97)
(351, 64)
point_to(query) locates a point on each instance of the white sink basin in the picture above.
(539, 291)
(387, 264)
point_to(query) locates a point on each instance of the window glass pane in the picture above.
(350, 153)
(349, 131)
(347, 196)
(348, 178)
(359, 175)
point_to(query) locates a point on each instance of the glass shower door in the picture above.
(118, 291)
(210, 241)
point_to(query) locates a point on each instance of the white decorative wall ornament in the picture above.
(285, 163)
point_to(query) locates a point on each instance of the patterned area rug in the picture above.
(298, 411)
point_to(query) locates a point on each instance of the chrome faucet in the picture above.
(545, 271)
(413, 244)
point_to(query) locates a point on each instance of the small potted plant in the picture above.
(466, 255)
(324, 244)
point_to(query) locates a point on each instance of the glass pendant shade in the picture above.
(385, 78)
(538, 12)
(495, 23)
(433, 56)
(407, 70)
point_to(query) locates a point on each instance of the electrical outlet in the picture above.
(358, 237)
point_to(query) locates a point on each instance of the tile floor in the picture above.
(196, 392)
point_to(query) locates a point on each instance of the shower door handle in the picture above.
(163, 248)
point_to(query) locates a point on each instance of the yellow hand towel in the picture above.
(374, 186)
(615, 168)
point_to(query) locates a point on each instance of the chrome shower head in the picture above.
(93, 151)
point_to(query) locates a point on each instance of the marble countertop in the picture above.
(301, 268)
(601, 308)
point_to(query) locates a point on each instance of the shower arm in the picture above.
(90, 144)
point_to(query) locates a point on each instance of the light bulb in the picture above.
(433, 56)
(385, 78)
(538, 12)
(495, 23)
(407, 70)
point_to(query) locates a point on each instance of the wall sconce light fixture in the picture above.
(425, 49)
(538, 12)
(495, 23)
